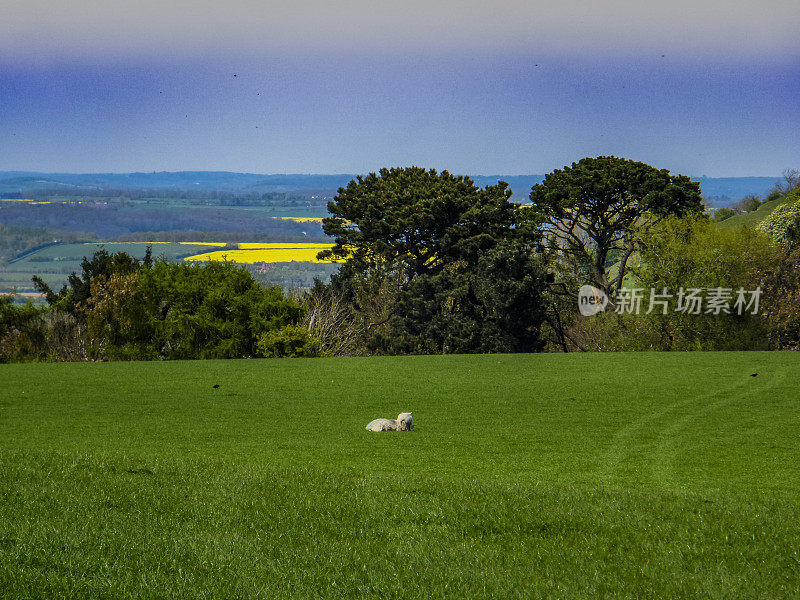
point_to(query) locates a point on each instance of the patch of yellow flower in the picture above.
(271, 246)
(270, 253)
(27, 200)
(303, 219)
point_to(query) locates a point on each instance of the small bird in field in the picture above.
(216, 385)
(754, 375)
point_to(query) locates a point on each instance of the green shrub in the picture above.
(690, 253)
(121, 309)
(724, 213)
(290, 341)
(779, 221)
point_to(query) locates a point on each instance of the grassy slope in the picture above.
(625, 475)
(752, 219)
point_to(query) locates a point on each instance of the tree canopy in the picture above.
(444, 265)
(418, 219)
(589, 210)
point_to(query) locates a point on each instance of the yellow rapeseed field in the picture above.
(303, 219)
(266, 246)
(270, 253)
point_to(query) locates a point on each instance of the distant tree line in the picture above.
(15, 240)
(168, 195)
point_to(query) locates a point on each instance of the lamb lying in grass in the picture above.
(403, 422)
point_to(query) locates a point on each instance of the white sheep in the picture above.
(403, 422)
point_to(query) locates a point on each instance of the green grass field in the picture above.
(541, 476)
(74, 253)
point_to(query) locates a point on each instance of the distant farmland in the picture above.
(54, 262)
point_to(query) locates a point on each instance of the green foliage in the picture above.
(793, 232)
(74, 294)
(775, 194)
(417, 220)
(691, 253)
(528, 476)
(780, 221)
(436, 265)
(495, 305)
(20, 335)
(781, 284)
(723, 213)
(749, 203)
(590, 209)
(161, 310)
(213, 310)
(292, 341)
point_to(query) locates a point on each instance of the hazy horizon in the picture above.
(331, 174)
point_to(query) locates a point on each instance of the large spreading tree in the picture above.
(462, 260)
(591, 210)
(418, 219)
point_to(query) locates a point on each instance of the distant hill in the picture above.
(178, 181)
(718, 191)
(725, 191)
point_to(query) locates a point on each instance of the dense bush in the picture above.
(214, 310)
(723, 213)
(121, 309)
(778, 223)
(748, 204)
(781, 283)
(689, 253)
(292, 341)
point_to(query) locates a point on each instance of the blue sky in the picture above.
(474, 87)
